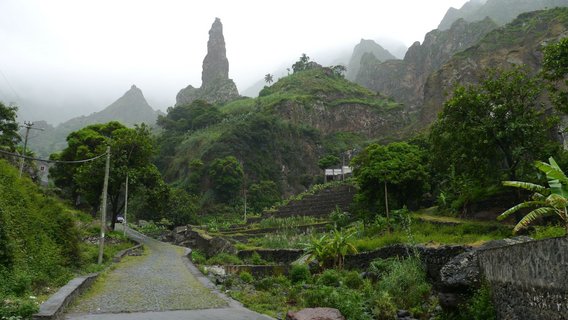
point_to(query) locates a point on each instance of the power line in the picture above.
(52, 161)
(10, 86)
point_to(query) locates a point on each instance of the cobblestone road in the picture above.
(151, 286)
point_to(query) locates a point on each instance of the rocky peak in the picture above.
(500, 11)
(404, 80)
(215, 64)
(365, 46)
(216, 86)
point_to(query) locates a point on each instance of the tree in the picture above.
(339, 70)
(547, 201)
(302, 64)
(268, 78)
(555, 70)
(9, 136)
(398, 169)
(328, 162)
(226, 175)
(492, 130)
(131, 154)
(197, 115)
(263, 195)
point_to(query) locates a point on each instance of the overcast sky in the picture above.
(74, 57)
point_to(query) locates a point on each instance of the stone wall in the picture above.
(286, 256)
(528, 280)
(434, 258)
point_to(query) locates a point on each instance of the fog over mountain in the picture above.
(64, 58)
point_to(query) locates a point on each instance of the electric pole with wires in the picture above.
(28, 126)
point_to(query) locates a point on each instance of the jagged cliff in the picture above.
(130, 109)
(365, 46)
(404, 79)
(500, 11)
(216, 86)
(518, 43)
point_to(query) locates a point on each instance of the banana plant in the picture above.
(545, 200)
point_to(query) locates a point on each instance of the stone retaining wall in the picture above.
(528, 280)
(258, 271)
(434, 258)
(285, 256)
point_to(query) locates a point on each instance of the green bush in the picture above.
(300, 273)
(330, 278)
(383, 307)
(18, 308)
(257, 260)
(480, 306)
(224, 259)
(198, 257)
(352, 280)
(351, 303)
(405, 281)
(246, 277)
(278, 283)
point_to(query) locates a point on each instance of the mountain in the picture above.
(404, 79)
(216, 86)
(519, 43)
(281, 134)
(500, 11)
(365, 46)
(130, 109)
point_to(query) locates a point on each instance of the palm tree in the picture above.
(268, 78)
(546, 201)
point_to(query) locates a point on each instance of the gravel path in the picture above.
(159, 280)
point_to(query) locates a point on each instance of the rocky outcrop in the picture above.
(216, 87)
(404, 79)
(500, 11)
(315, 314)
(197, 239)
(520, 43)
(462, 275)
(365, 47)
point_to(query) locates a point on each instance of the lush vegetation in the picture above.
(400, 284)
(41, 245)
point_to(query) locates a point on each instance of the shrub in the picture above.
(300, 273)
(256, 259)
(351, 303)
(330, 278)
(405, 281)
(198, 257)
(246, 277)
(383, 307)
(18, 308)
(224, 259)
(480, 306)
(273, 283)
(352, 280)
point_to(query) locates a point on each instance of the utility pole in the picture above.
(104, 208)
(28, 126)
(125, 205)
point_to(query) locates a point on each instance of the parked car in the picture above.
(120, 219)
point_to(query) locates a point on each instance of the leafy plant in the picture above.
(548, 201)
(330, 249)
(300, 273)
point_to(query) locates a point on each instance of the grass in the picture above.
(435, 233)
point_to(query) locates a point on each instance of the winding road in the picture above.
(161, 284)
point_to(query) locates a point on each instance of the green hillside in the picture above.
(39, 240)
(278, 136)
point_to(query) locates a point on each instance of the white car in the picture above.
(120, 219)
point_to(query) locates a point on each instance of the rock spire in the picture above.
(216, 86)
